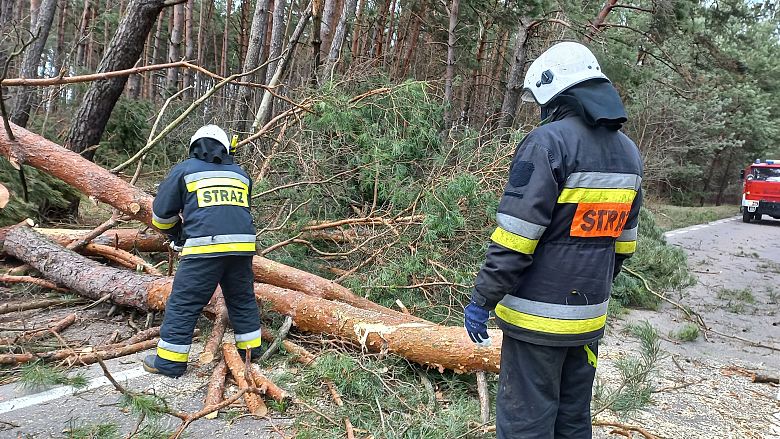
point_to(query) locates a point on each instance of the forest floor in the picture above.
(702, 388)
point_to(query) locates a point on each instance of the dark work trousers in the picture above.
(195, 282)
(544, 392)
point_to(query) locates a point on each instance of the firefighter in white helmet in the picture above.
(203, 206)
(567, 220)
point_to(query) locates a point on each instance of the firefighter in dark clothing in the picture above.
(203, 207)
(566, 222)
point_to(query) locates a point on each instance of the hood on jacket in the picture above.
(596, 101)
(211, 151)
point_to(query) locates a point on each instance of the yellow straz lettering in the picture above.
(222, 197)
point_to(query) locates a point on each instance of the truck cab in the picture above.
(761, 190)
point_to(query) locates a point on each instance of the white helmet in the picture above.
(212, 132)
(557, 69)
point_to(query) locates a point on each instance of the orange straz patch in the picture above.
(600, 219)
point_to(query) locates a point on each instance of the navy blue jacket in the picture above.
(566, 222)
(204, 204)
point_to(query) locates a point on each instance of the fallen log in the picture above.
(85, 276)
(235, 363)
(9, 279)
(96, 182)
(37, 334)
(433, 345)
(121, 257)
(78, 357)
(266, 386)
(6, 308)
(216, 388)
(214, 342)
(440, 347)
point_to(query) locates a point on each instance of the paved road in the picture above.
(737, 292)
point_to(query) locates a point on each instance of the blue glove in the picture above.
(476, 324)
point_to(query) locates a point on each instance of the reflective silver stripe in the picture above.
(215, 174)
(603, 180)
(218, 239)
(172, 220)
(249, 336)
(179, 348)
(629, 234)
(520, 227)
(555, 311)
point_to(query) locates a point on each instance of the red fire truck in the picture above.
(761, 190)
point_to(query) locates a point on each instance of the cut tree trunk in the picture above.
(425, 343)
(235, 363)
(216, 388)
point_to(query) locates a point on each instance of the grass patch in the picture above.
(107, 430)
(37, 375)
(671, 217)
(744, 295)
(689, 332)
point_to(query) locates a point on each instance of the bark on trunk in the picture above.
(449, 74)
(85, 276)
(235, 363)
(254, 56)
(174, 48)
(123, 52)
(441, 347)
(189, 44)
(514, 86)
(32, 58)
(216, 388)
(277, 36)
(340, 34)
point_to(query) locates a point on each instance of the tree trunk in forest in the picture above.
(358, 28)
(59, 51)
(449, 74)
(96, 182)
(264, 112)
(254, 56)
(432, 345)
(174, 48)
(223, 68)
(390, 33)
(151, 76)
(514, 86)
(35, 6)
(243, 34)
(123, 52)
(316, 39)
(412, 49)
(471, 87)
(32, 58)
(330, 14)
(340, 34)
(277, 37)
(189, 44)
(710, 173)
(725, 178)
(379, 31)
(201, 54)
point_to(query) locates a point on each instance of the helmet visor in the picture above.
(527, 96)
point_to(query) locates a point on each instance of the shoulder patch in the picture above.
(521, 173)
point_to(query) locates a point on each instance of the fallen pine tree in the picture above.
(425, 343)
(98, 183)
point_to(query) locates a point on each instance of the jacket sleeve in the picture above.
(524, 212)
(168, 203)
(625, 246)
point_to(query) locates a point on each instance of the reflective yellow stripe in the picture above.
(219, 248)
(549, 325)
(585, 195)
(162, 226)
(255, 342)
(514, 242)
(171, 356)
(220, 181)
(593, 360)
(625, 247)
